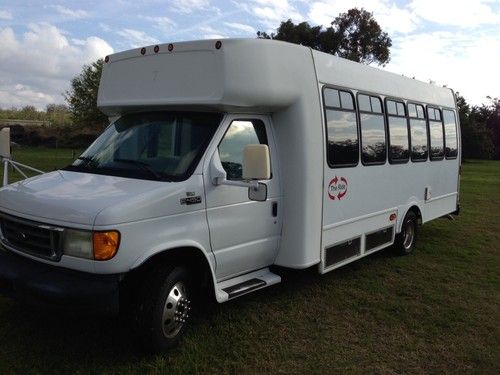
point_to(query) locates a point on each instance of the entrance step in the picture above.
(240, 285)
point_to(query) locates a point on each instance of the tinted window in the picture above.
(376, 104)
(420, 111)
(401, 109)
(342, 130)
(364, 103)
(391, 107)
(398, 139)
(412, 110)
(150, 145)
(331, 97)
(373, 149)
(436, 136)
(239, 134)
(418, 136)
(372, 138)
(416, 110)
(450, 131)
(430, 113)
(346, 100)
(436, 139)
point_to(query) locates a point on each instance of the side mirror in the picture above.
(256, 165)
(5, 143)
(258, 193)
(256, 162)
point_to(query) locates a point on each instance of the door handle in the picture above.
(275, 209)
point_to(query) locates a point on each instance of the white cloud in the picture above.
(270, 13)
(73, 14)
(164, 24)
(240, 27)
(104, 27)
(210, 33)
(457, 60)
(462, 13)
(136, 38)
(189, 6)
(5, 15)
(214, 36)
(38, 66)
(391, 18)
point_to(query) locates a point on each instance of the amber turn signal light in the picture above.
(105, 244)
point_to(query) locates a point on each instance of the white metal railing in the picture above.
(6, 158)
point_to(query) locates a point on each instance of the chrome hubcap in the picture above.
(176, 309)
(409, 235)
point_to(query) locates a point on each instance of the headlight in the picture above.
(91, 245)
(78, 243)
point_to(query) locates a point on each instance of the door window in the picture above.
(239, 134)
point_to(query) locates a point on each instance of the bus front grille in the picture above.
(31, 237)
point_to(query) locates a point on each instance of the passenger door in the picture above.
(244, 234)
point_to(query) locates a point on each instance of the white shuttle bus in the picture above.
(222, 159)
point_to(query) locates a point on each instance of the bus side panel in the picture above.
(369, 196)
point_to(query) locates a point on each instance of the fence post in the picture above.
(5, 153)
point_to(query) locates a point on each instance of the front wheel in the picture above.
(405, 241)
(163, 309)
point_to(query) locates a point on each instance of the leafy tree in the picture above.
(28, 109)
(53, 108)
(354, 35)
(476, 137)
(491, 113)
(82, 97)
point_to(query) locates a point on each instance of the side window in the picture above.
(418, 132)
(450, 131)
(239, 134)
(399, 143)
(342, 128)
(435, 133)
(373, 150)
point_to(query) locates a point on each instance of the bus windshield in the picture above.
(163, 146)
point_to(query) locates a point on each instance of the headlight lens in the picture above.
(78, 243)
(91, 245)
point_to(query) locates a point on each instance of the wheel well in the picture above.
(190, 257)
(417, 212)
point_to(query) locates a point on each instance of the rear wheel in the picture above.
(163, 308)
(405, 241)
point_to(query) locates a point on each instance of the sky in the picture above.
(43, 44)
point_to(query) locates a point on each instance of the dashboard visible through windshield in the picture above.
(163, 146)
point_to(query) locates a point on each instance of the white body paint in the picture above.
(280, 84)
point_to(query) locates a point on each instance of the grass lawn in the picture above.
(44, 159)
(437, 310)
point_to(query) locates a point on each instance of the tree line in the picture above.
(354, 35)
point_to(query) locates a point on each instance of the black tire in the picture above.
(162, 308)
(405, 241)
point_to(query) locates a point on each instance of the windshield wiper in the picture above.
(88, 160)
(144, 166)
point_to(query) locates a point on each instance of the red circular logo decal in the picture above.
(337, 188)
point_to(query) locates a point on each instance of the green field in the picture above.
(435, 311)
(41, 158)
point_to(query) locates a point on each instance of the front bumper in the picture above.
(37, 283)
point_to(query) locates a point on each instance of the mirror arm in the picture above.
(246, 184)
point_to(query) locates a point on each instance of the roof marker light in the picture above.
(218, 44)
(170, 47)
(143, 50)
(157, 48)
(106, 59)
